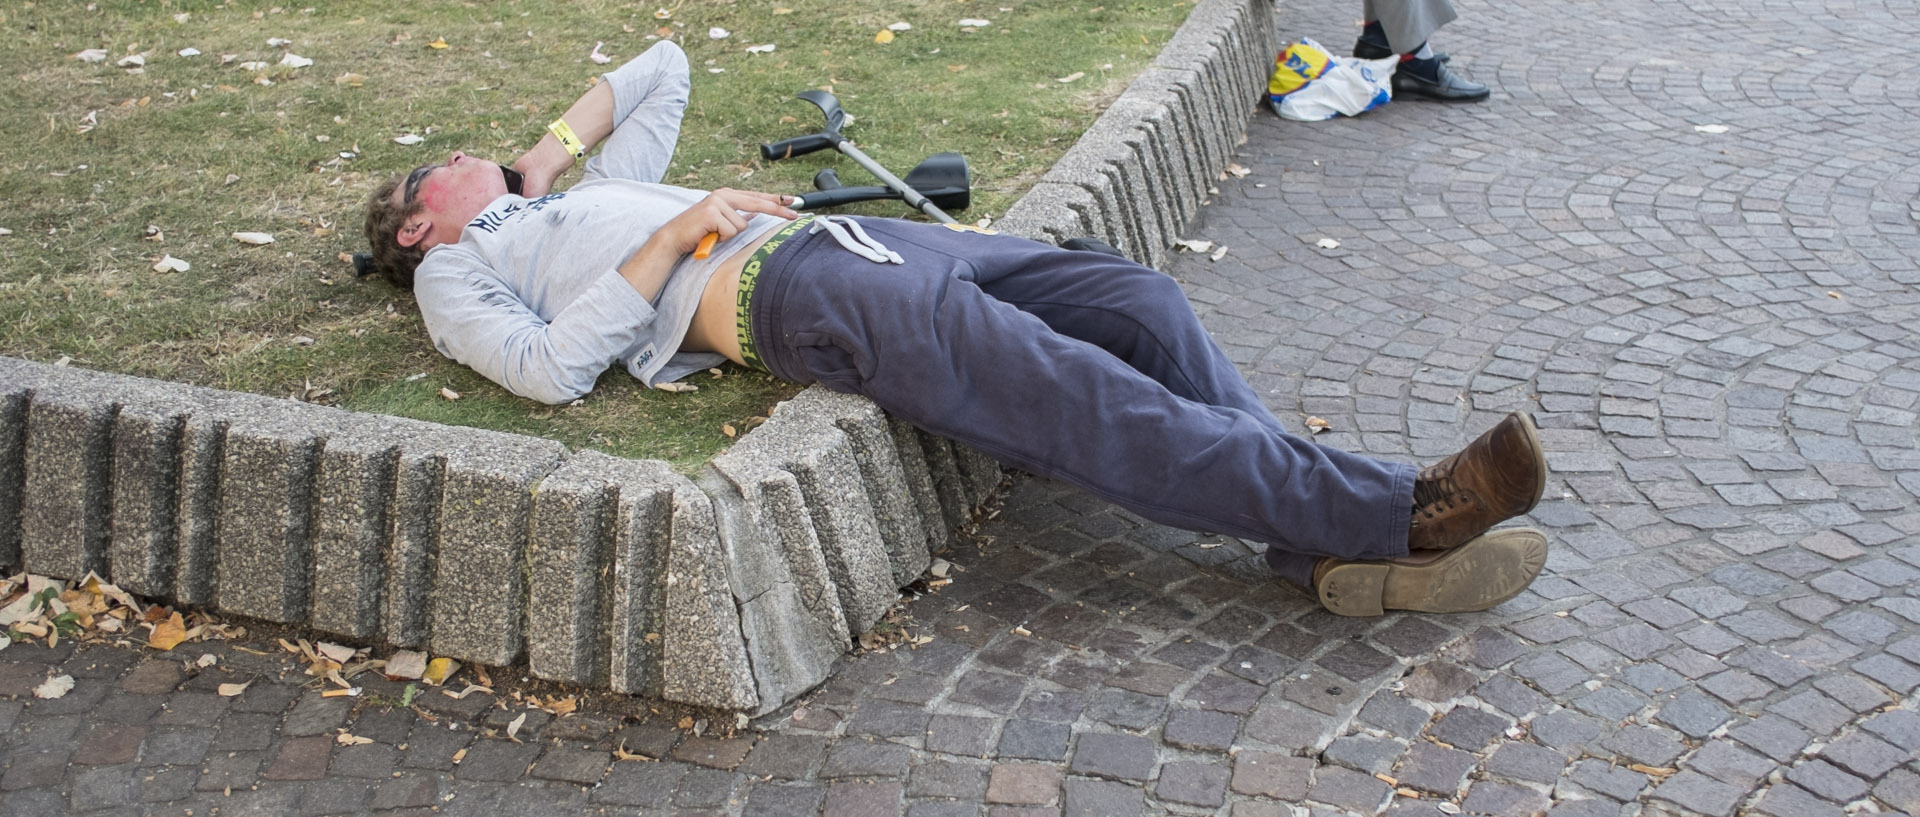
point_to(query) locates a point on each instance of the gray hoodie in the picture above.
(532, 297)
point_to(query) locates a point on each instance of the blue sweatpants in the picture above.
(1076, 366)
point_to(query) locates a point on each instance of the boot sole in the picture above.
(1485, 571)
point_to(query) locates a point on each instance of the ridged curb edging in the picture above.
(1137, 177)
(736, 588)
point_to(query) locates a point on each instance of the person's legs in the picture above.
(1403, 27)
(928, 343)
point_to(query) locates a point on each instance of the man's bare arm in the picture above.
(590, 117)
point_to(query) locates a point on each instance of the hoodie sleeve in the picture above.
(649, 97)
(478, 321)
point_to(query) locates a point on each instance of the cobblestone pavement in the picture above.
(1720, 335)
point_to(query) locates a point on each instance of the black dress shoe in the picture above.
(1432, 79)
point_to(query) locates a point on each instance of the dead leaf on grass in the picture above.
(883, 37)
(438, 43)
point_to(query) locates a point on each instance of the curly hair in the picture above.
(384, 219)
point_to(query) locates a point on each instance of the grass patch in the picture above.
(112, 167)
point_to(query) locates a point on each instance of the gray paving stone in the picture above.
(1122, 757)
(1698, 793)
(1435, 769)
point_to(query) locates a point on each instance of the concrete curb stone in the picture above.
(737, 588)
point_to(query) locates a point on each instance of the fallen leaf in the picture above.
(957, 68)
(255, 239)
(883, 37)
(471, 688)
(345, 739)
(292, 60)
(438, 43)
(439, 670)
(233, 690)
(406, 665)
(729, 430)
(409, 139)
(168, 263)
(92, 55)
(620, 753)
(350, 79)
(54, 687)
(1328, 244)
(761, 49)
(168, 634)
(206, 660)
(514, 727)
(340, 654)
(597, 57)
(449, 394)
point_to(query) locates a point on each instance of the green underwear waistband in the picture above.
(743, 300)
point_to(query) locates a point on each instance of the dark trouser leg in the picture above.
(928, 342)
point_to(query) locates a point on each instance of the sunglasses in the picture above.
(411, 188)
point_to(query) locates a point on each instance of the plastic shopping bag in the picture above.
(1309, 85)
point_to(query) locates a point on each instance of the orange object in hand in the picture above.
(706, 245)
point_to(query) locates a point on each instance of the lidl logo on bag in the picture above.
(1300, 64)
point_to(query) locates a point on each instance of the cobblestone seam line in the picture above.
(736, 588)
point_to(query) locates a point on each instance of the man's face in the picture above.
(449, 195)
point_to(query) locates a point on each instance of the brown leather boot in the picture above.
(1493, 479)
(1487, 570)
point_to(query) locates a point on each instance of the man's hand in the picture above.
(541, 166)
(724, 212)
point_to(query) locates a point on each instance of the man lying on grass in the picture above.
(1078, 366)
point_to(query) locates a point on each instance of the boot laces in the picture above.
(1434, 493)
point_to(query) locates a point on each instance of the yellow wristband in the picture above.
(569, 141)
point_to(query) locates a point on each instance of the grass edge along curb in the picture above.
(735, 588)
